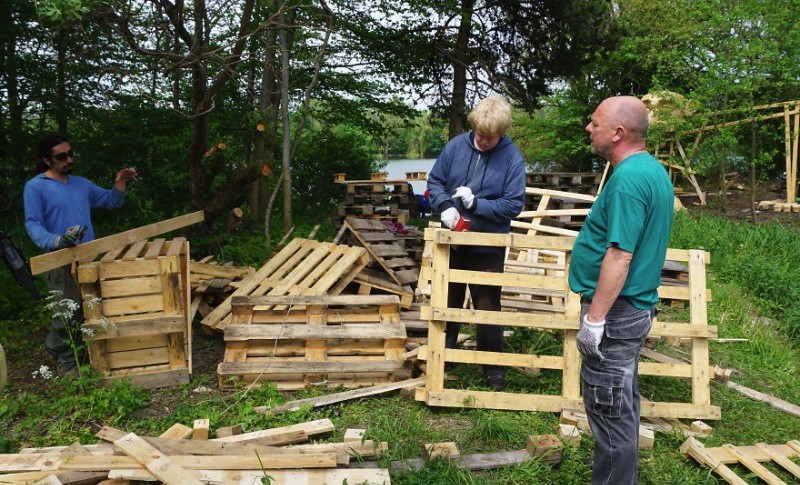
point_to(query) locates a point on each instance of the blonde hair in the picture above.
(491, 117)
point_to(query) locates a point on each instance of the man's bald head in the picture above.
(630, 112)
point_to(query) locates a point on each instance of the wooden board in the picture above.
(89, 250)
(303, 267)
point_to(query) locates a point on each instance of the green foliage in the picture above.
(324, 152)
(761, 259)
(553, 138)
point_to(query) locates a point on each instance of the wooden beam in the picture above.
(85, 251)
(342, 396)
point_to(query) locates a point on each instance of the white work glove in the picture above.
(589, 337)
(465, 194)
(450, 217)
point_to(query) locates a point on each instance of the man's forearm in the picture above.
(613, 273)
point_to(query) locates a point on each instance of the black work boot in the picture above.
(496, 378)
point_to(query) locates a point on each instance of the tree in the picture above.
(453, 52)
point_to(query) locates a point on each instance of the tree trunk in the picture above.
(753, 148)
(458, 100)
(287, 163)
(61, 82)
(265, 141)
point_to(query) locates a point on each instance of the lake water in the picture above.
(396, 170)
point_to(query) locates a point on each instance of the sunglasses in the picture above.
(62, 157)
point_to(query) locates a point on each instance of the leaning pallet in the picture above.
(566, 321)
(385, 249)
(135, 301)
(750, 457)
(303, 267)
(314, 340)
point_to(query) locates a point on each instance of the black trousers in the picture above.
(484, 297)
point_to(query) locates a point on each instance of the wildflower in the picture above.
(44, 372)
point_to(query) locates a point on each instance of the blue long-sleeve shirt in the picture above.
(52, 206)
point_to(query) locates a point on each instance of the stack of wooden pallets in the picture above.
(136, 308)
(303, 267)
(173, 459)
(300, 341)
(370, 199)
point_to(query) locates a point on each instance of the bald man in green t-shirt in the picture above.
(616, 268)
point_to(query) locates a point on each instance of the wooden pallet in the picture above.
(751, 457)
(557, 180)
(558, 208)
(303, 267)
(313, 340)
(564, 320)
(136, 307)
(385, 249)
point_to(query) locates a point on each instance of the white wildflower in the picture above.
(44, 372)
(88, 332)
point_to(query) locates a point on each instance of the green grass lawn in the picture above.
(752, 277)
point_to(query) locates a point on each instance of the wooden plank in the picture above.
(154, 249)
(311, 428)
(328, 300)
(773, 401)
(279, 477)
(88, 250)
(128, 269)
(177, 431)
(157, 463)
(308, 332)
(130, 286)
(342, 396)
(133, 252)
(136, 328)
(780, 459)
(323, 367)
(133, 305)
(153, 378)
(696, 450)
(168, 468)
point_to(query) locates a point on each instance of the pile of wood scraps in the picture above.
(172, 458)
(212, 283)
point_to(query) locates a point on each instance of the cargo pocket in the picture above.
(602, 390)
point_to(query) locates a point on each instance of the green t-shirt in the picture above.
(634, 212)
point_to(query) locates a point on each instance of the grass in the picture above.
(752, 281)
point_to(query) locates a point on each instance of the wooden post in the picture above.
(3, 368)
(793, 198)
(788, 142)
(436, 329)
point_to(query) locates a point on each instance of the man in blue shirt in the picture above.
(57, 216)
